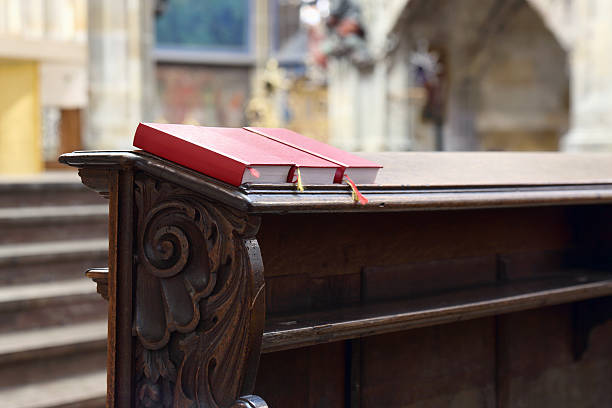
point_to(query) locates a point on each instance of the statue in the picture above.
(346, 34)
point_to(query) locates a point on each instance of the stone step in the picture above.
(50, 223)
(52, 321)
(40, 305)
(50, 261)
(20, 346)
(51, 188)
(40, 355)
(82, 391)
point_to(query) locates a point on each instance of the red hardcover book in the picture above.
(233, 155)
(360, 170)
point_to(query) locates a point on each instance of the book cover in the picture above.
(233, 155)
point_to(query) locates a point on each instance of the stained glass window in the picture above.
(204, 24)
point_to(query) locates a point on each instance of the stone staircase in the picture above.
(52, 321)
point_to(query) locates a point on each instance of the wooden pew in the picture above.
(469, 279)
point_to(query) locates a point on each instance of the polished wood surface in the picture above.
(588, 182)
(399, 303)
(444, 169)
(198, 299)
(429, 169)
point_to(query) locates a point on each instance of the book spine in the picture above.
(291, 176)
(339, 174)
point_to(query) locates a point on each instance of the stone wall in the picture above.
(121, 83)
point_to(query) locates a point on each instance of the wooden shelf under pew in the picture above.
(308, 329)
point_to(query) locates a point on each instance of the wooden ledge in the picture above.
(288, 332)
(409, 181)
(294, 331)
(100, 276)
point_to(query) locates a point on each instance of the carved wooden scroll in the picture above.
(198, 300)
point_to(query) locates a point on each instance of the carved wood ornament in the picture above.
(199, 300)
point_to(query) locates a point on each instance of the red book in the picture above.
(233, 155)
(360, 170)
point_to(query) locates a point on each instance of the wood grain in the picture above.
(429, 169)
(333, 244)
(199, 299)
(536, 364)
(113, 234)
(440, 366)
(122, 302)
(309, 377)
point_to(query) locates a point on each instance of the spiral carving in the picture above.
(174, 269)
(199, 306)
(165, 246)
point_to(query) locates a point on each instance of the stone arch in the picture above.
(506, 76)
(523, 93)
(555, 15)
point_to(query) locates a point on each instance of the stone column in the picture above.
(401, 129)
(343, 97)
(120, 71)
(591, 78)
(261, 45)
(373, 108)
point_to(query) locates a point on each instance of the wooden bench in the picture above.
(469, 279)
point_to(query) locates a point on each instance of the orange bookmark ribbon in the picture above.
(357, 196)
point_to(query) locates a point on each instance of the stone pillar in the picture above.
(400, 111)
(261, 46)
(459, 131)
(373, 109)
(120, 71)
(343, 97)
(591, 78)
